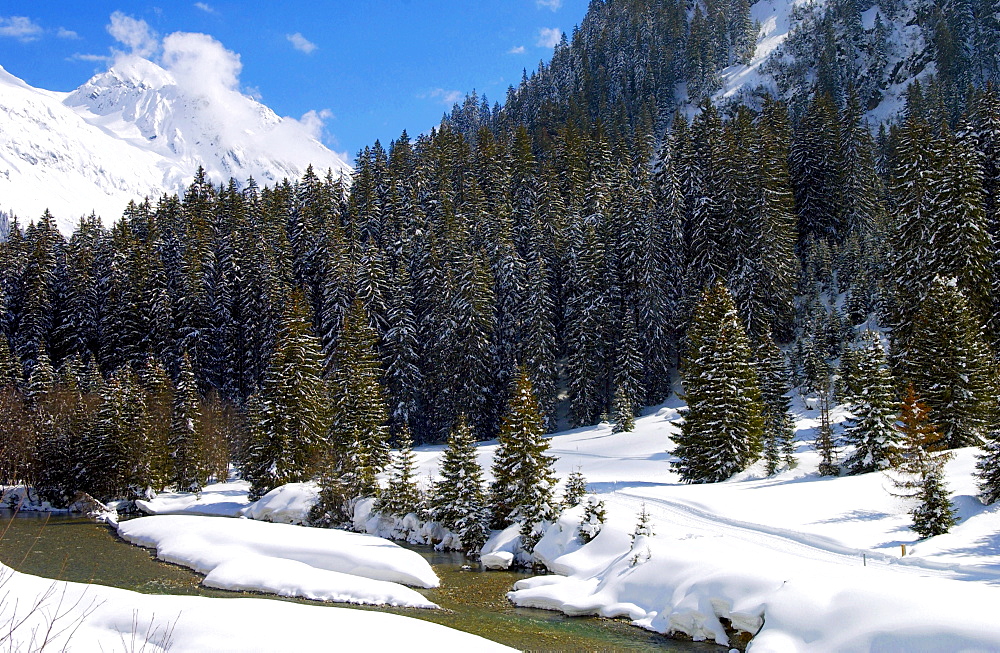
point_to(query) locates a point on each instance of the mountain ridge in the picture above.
(137, 131)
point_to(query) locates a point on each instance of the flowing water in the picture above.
(77, 549)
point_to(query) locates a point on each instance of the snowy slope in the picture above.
(96, 618)
(136, 131)
(812, 563)
(889, 51)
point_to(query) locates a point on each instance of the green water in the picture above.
(77, 549)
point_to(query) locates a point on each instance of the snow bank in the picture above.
(287, 560)
(684, 583)
(96, 618)
(216, 500)
(808, 563)
(286, 504)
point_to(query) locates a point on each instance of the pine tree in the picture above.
(627, 378)
(458, 501)
(945, 356)
(779, 431)
(919, 468)
(359, 431)
(401, 495)
(42, 377)
(594, 515)
(826, 442)
(722, 428)
(644, 527)
(576, 488)
(872, 427)
(521, 491)
(189, 470)
(11, 372)
(289, 417)
(988, 468)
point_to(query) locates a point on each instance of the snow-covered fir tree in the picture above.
(458, 498)
(871, 428)
(988, 468)
(523, 478)
(826, 439)
(289, 417)
(401, 495)
(594, 515)
(918, 467)
(359, 429)
(189, 471)
(779, 431)
(576, 488)
(722, 428)
(945, 356)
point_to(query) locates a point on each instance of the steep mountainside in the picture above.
(132, 132)
(632, 63)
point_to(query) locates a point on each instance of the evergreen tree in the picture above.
(628, 378)
(826, 442)
(576, 488)
(289, 417)
(988, 468)
(779, 429)
(919, 468)
(722, 428)
(359, 431)
(401, 495)
(11, 372)
(521, 491)
(458, 501)
(872, 426)
(946, 358)
(42, 377)
(189, 470)
(594, 515)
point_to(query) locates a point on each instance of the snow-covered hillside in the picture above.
(139, 130)
(876, 50)
(808, 563)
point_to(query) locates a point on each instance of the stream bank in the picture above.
(74, 548)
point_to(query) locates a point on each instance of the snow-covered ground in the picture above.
(217, 500)
(805, 562)
(811, 563)
(96, 618)
(314, 563)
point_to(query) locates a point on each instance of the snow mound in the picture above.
(97, 618)
(285, 559)
(215, 500)
(285, 504)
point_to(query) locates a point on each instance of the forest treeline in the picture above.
(273, 326)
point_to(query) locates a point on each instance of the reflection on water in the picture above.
(77, 549)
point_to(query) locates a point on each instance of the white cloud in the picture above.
(76, 56)
(548, 37)
(554, 5)
(314, 121)
(207, 8)
(445, 96)
(301, 43)
(21, 28)
(133, 33)
(517, 50)
(64, 33)
(201, 64)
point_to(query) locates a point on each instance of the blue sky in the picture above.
(369, 68)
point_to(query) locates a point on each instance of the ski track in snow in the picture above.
(676, 515)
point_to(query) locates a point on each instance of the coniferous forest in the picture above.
(561, 260)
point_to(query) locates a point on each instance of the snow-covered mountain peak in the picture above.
(139, 130)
